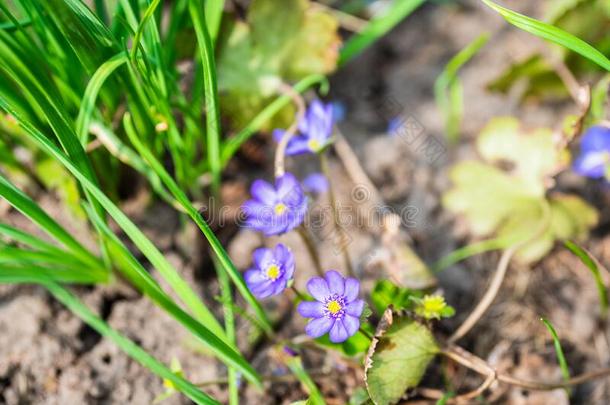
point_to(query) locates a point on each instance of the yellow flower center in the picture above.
(279, 208)
(333, 307)
(313, 144)
(273, 272)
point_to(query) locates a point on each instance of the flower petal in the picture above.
(591, 164)
(263, 192)
(278, 286)
(263, 289)
(311, 309)
(278, 134)
(352, 286)
(287, 185)
(297, 216)
(315, 183)
(351, 324)
(336, 282)
(298, 145)
(318, 326)
(318, 288)
(596, 138)
(262, 257)
(254, 276)
(284, 256)
(338, 333)
(355, 308)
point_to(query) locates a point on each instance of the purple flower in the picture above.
(272, 270)
(594, 153)
(275, 209)
(337, 308)
(394, 125)
(315, 183)
(315, 130)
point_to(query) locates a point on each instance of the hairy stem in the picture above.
(280, 151)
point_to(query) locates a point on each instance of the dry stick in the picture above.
(489, 296)
(466, 397)
(498, 278)
(353, 167)
(280, 151)
(346, 20)
(311, 249)
(337, 223)
(479, 365)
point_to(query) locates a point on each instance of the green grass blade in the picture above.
(10, 26)
(34, 273)
(157, 259)
(563, 364)
(183, 200)
(27, 239)
(226, 296)
(125, 154)
(139, 277)
(206, 56)
(213, 16)
(93, 88)
(592, 264)
(295, 365)
(232, 144)
(447, 89)
(30, 209)
(376, 28)
(150, 11)
(551, 33)
(471, 250)
(130, 348)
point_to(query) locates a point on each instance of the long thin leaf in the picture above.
(448, 90)
(143, 281)
(130, 348)
(32, 272)
(206, 56)
(592, 264)
(551, 33)
(378, 27)
(93, 88)
(140, 240)
(30, 209)
(563, 364)
(183, 200)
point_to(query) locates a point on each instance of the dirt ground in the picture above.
(47, 356)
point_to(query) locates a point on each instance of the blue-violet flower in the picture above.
(594, 158)
(315, 130)
(337, 308)
(315, 183)
(275, 209)
(272, 270)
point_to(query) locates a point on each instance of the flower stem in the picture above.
(280, 151)
(299, 294)
(366, 333)
(333, 206)
(311, 248)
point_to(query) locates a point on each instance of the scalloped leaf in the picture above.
(277, 44)
(534, 156)
(510, 202)
(398, 357)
